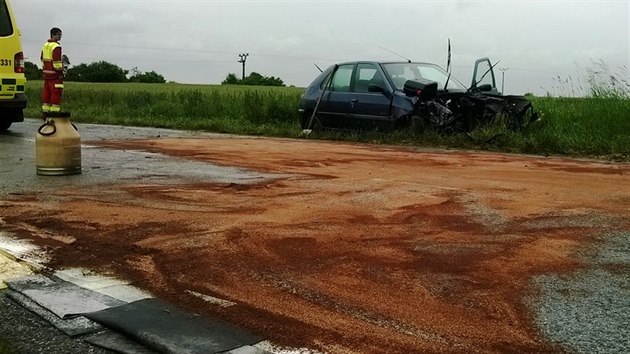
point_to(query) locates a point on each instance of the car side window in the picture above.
(342, 78)
(484, 68)
(366, 75)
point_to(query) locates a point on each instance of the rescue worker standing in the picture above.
(53, 70)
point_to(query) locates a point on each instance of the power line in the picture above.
(188, 50)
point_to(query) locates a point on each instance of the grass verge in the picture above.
(596, 126)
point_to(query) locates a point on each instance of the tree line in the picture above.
(103, 71)
(254, 79)
(100, 71)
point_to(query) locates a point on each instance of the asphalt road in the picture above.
(500, 226)
(25, 332)
(22, 330)
(17, 160)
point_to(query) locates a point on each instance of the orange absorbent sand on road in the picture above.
(356, 249)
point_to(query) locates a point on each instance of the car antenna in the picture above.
(318, 68)
(448, 64)
(484, 75)
(396, 54)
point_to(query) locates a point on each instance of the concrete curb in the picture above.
(36, 267)
(12, 267)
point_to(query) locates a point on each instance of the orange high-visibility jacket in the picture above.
(51, 60)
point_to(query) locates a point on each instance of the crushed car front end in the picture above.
(444, 103)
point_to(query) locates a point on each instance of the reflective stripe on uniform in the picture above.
(55, 108)
(47, 50)
(51, 65)
(58, 86)
(46, 107)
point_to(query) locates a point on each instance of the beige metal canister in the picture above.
(58, 148)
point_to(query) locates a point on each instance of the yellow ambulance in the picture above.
(12, 80)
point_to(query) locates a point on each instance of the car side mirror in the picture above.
(375, 88)
(484, 88)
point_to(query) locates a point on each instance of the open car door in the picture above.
(483, 75)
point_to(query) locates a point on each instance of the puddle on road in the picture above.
(22, 249)
(149, 166)
(106, 166)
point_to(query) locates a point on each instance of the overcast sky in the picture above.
(198, 41)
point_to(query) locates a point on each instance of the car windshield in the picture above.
(399, 73)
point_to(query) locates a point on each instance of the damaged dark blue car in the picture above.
(385, 96)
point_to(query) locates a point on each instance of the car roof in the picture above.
(384, 62)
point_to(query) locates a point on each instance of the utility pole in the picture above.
(242, 60)
(503, 70)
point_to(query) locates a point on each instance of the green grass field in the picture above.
(597, 126)
(218, 108)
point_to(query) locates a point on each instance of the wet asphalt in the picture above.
(101, 166)
(586, 312)
(24, 332)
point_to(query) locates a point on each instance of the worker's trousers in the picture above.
(51, 95)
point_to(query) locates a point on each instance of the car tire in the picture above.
(4, 125)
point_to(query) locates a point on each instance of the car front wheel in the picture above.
(4, 125)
